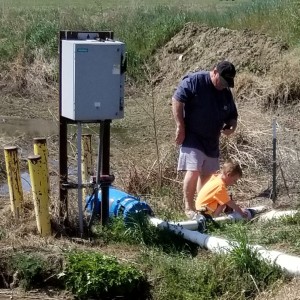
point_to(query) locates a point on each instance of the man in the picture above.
(203, 107)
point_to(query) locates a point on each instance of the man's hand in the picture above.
(179, 135)
(229, 127)
(228, 131)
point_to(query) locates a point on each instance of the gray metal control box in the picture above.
(92, 80)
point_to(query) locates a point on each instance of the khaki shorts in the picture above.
(191, 159)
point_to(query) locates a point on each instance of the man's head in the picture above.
(223, 75)
(227, 72)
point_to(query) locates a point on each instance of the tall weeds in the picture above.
(143, 29)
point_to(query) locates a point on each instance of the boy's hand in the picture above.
(245, 214)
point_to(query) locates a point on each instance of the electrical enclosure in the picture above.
(92, 80)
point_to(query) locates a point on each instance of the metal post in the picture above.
(40, 148)
(39, 188)
(63, 169)
(63, 153)
(274, 163)
(79, 178)
(87, 161)
(105, 140)
(14, 180)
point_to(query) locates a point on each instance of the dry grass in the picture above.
(289, 291)
(37, 78)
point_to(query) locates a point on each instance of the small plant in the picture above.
(30, 268)
(248, 262)
(113, 232)
(137, 230)
(91, 274)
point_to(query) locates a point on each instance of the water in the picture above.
(32, 127)
(25, 180)
(13, 126)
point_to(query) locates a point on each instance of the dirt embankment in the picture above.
(200, 48)
(265, 88)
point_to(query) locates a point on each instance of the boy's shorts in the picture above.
(191, 159)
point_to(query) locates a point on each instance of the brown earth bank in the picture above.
(267, 93)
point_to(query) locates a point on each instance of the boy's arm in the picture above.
(218, 210)
(237, 208)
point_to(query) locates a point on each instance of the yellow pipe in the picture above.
(86, 161)
(38, 177)
(40, 148)
(14, 180)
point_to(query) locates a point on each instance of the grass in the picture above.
(281, 234)
(91, 274)
(143, 28)
(175, 268)
(113, 4)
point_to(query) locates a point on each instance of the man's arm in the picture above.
(177, 109)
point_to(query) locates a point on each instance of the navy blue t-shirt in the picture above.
(206, 110)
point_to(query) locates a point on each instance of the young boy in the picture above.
(213, 197)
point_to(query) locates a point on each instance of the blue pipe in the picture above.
(120, 204)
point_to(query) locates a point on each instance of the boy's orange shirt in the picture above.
(212, 194)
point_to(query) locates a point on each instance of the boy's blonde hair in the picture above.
(232, 167)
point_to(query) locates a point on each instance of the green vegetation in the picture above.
(248, 262)
(206, 277)
(91, 274)
(143, 28)
(284, 231)
(165, 266)
(113, 4)
(30, 268)
(175, 268)
(139, 231)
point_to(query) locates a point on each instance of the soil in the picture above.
(265, 90)
(201, 48)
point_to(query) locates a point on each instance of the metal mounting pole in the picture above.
(63, 154)
(104, 184)
(79, 177)
(274, 163)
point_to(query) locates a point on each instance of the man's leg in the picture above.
(189, 189)
(210, 166)
(202, 179)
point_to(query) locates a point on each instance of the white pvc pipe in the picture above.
(193, 225)
(273, 214)
(289, 263)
